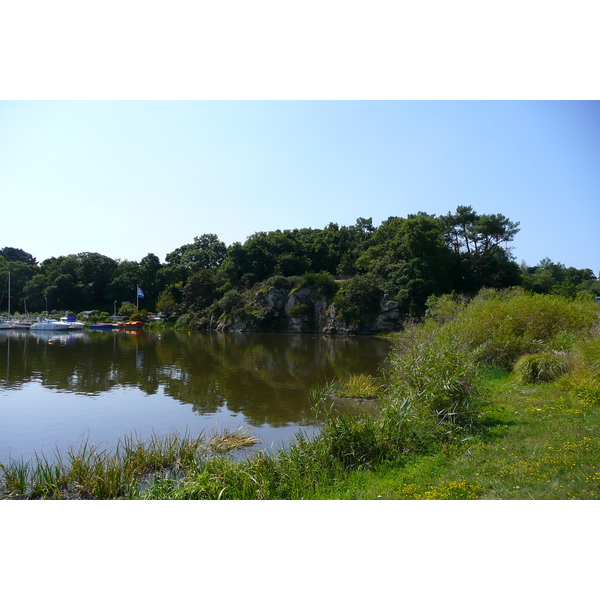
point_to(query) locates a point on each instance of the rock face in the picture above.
(305, 310)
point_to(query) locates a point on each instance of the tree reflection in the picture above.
(266, 377)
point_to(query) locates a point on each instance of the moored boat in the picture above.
(72, 322)
(50, 325)
(100, 326)
(131, 325)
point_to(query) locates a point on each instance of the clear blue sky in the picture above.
(125, 178)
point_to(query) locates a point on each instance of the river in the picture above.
(58, 389)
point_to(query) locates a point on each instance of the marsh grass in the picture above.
(92, 472)
(360, 386)
(541, 367)
(583, 380)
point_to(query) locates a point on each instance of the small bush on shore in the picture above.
(541, 367)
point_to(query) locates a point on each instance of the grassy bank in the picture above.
(494, 398)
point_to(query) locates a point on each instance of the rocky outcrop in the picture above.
(305, 310)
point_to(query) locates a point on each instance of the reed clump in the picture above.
(92, 472)
(541, 367)
(359, 386)
(583, 379)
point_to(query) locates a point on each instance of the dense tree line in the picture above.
(407, 259)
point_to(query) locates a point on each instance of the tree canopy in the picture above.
(407, 258)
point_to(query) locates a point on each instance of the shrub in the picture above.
(322, 282)
(501, 326)
(434, 373)
(230, 301)
(541, 367)
(187, 321)
(299, 310)
(358, 298)
(279, 281)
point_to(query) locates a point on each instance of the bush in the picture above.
(358, 298)
(541, 367)
(187, 321)
(280, 282)
(435, 374)
(322, 282)
(501, 326)
(299, 310)
(230, 301)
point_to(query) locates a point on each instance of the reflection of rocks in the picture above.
(307, 311)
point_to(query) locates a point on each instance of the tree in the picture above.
(149, 269)
(18, 255)
(481, 256)
(200, 291)
(358, 298)
(410, 257)
(206, 252)
(166, 302)
(20, 274)
(127, 309)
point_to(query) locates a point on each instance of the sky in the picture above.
(128, 178)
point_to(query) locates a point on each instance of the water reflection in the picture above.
(260, 379)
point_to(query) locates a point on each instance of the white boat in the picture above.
(72, 322)
(50, 325)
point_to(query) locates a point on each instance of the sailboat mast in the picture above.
(9, 293)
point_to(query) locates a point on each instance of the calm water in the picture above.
(57, 388)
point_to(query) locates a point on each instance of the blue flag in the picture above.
(140, 292)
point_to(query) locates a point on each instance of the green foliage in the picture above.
(359, 386)
(548, 277)
(187, 321)
(541, 367)
(230, 301)
(435, 375)
(166, 302)
(358, 298)
(17, 255)
(322, 282)
(267, 318)
(280, 282)
(500, 326)
(140, 315)
(200, 291)
(412, 258)
(299, 310)
(127, 309)
(205, 252)
(583, 380)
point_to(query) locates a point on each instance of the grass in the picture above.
(532, 442)
(454, 421)
(92, 472)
